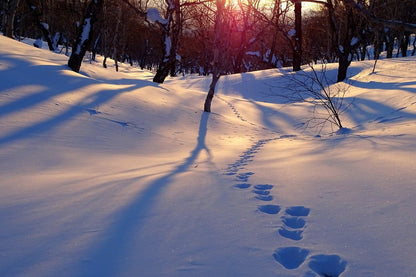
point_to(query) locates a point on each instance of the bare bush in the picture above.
(327, 97)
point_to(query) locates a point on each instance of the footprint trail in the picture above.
(293, 221)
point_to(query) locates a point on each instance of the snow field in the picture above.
(109, 174)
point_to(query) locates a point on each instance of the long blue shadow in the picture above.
(43, 83)
(108, 255)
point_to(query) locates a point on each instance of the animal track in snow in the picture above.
(294, 222)
(243, 177)
(242, 186)
(291, 257)
(291, 234)
(261, 192)
(234, 109)
(327, 265)
(264, 197)
(269, 209)
(263, 187)
(298, 211)
(246, 157)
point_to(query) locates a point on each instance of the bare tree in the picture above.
(9, 16)
(221, 44)
(85, 33)
(297, 51)
(327, 98)
(171, 29)
(280, 36)
(43, 26)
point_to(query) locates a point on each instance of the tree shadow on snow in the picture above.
(32, 85)
(108, 255)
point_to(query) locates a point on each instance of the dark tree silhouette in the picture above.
(85, 33)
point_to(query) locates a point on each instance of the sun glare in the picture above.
(305, 5)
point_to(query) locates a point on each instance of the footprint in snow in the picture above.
(327, 265)
(243, 177)
(242, 186)
(269, 209)
(264, 197)
(263, 187)
(263, 192)
(291, 257)
(294, 223)
(291, 234)
(298, 211)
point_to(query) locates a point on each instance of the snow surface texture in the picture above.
(109, 174)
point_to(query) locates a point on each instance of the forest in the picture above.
(216, 37)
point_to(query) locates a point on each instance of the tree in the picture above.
(278, 38)
(346, 27)
(43, 26)
(342, 30)
(85, 34)
(9, 16)
(297, 51)
(221, 44)
(171, 28)
(327, 99)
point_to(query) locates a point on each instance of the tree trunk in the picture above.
(105, 62)
(208, 100)
(404, 43)
(343, 64)
(297, 53)
(41, 25)
(84, 35)
(161, 73)
(10, 15)
(116, 38)
(171, 33)
(219, 47)
(389, 45)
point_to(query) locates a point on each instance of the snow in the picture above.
(154, 16)
(110, 174)
(45, 25)
(85, 34)
(253, 53)
(38, 43)
(354, 41)
(168, 46)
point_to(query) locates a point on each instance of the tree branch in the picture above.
(385, 22)
(138, 11)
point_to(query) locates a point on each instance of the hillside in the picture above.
(109, 174)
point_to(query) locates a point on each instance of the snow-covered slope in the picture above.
(109, 174)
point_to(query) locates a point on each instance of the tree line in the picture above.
(215, 36)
